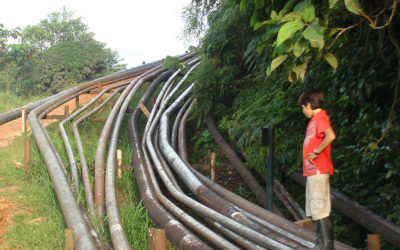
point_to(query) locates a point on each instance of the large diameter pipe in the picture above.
(176, 232)
(70, 209)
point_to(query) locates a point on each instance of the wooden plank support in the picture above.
(24, 121)
(77, 102)
(156, 239)
(100, 87)
(119, 163)
(374, 242)
(213, 162)
(69, 239)
(144, 110)
(66, 111)
(306, 223)
(27, 155)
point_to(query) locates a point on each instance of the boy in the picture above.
(317, 165)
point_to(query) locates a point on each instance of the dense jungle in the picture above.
(260, 55)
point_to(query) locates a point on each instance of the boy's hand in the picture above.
(311, 157)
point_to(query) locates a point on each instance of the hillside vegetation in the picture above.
(259, 55)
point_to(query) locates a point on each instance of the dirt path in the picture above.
(8, 206)
(12, 129)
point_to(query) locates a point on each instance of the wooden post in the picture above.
(69, 239)
(374, 242)
(213, 162)
(24, 121)
(119, 163)
(27, 155)
(100, 86)
(144, 110)
(156, 239)
(76, 102)
(66, 111)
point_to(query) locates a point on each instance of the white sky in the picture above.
(145, 30)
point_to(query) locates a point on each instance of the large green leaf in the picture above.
(242, 5)
(309, 13)
(287, 30)
(331, 59)
(300, 6)
(332, 3)
(312, 32)
(253, 19)
(292, 16)
(299, 47)
(353, 6)
(278, 61)
(261, 24)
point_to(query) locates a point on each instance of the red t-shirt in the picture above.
(318, 124)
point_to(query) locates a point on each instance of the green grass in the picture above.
(9, 101)
(36, 192)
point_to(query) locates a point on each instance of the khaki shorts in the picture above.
(318, 200)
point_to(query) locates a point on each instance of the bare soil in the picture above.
(9, 205)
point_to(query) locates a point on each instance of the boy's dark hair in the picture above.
(312, 96)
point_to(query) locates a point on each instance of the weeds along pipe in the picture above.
(148, 143)
(188, 178)
(100, 152)
(16, 113)
(181, 120)
(84, 165)
(74, 172)
(172, 233)
(67, 143)
(101, 147)
(176, 232)
(71, 157)
(227, 194)
(49, 109)
(360, 214)
(118, 235)
(212, 237)
(71, 211)
(252, 183)
(206, 233)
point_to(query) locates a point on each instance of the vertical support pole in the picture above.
(27, 155)
(66, 111)
(69, 239)
(76, 102)
(156, 239)
(213, 162)
(268, 140)
(100, 86)
(24, 121)
(374, 242)
(119, 163)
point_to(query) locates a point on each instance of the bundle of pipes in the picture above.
(84, 235)
(244, 224)
(227, 220)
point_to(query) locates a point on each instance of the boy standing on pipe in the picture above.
(317, 165)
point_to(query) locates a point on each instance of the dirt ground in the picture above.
(9, 207)
(12, 129)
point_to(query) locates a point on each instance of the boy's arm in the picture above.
(330, 136)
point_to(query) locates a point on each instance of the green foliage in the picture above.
(288, 40)
(171, 63)
(52, 55)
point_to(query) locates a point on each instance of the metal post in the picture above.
(268, 140)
